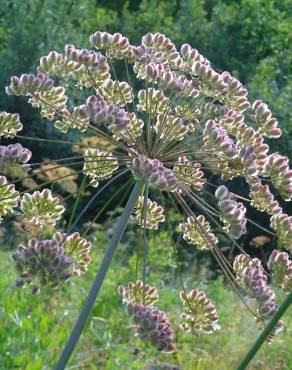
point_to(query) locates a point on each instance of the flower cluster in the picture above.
(278, 169)
(8, 197)
(189, 173)
(42, 262)
(232, 213)
(9, 124)
(264, 120)
(282, 224)
(199, 313)
(99, 165)
(152, 324)
(197, 231)
(139, 292)
(154, 214)
(14, 154)
(252, 278)
(52, 100)
(77, 248)
(155, 173)
(41, 208)
(281, 267)
(52, 261)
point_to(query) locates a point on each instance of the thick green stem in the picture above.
(264, 334)
(105, 264)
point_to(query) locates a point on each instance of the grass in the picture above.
(33, 329)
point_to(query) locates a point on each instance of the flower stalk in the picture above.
(105, 264)
(265, 333)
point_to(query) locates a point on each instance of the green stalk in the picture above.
(105, 264)
(264, 334)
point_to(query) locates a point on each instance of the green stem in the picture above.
(145, 244)
(265, 333)
(78, 196)
(105, 264)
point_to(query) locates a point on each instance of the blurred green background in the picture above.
(250, 38)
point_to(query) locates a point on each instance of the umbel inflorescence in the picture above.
(169, 121)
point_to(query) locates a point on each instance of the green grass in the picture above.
(33, 329)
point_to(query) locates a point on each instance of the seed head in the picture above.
(152, 325)
(139, 292)
(8, 197)
(77, 248)
(55, 64)
(42, 262)
(282, 224)
(251, 276)
(232, 213)
(281, 267)
(99, 165)
(263, 118)
(14, 154)
(154, 214)
(197, 231)
(199, 313)
(153, 171)
(41, 208)
(99, 111)
(9, 124)
(189, 173)
(277, 168)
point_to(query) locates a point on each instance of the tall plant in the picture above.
(170, 125)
